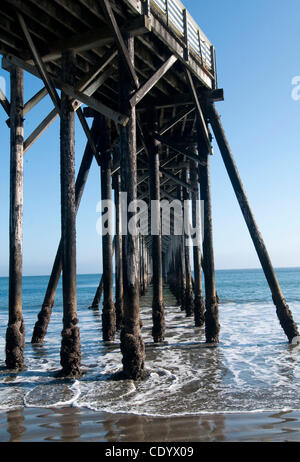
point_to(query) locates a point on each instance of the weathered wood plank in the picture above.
(35, 100)
(144, 89)
(95, 104)
(4, 102)
(40, 129)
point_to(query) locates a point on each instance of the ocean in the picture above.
(253, 369)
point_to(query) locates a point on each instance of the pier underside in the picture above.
(145, 73)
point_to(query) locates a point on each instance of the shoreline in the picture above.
(71, 424)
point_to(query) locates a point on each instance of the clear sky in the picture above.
(257, 44)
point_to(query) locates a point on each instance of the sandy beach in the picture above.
(81, 425)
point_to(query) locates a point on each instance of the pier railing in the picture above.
(183, 25)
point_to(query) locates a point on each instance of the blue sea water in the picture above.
(252, 369)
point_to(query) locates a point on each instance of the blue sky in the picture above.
(257, 45)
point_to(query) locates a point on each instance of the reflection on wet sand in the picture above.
(15, 427)
(72, 424)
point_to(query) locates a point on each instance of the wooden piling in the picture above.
(181, 260)
(283, 312)
(70, 352)
(15, 333)
(98, 295)
(142, 267)
(212, 326)
(158, 309)
(119, 297)
(41, 326)
(199, 307)
(189, 300)
(108, 310)
(132, 345)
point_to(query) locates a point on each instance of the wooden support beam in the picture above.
(110, 17)
(4, 102)
(10, 60)
(173, 122)
(187, 153)
(99, 291)
(176, 180)
(70, 347)
(88, 135)
(212, 326)
(107, 59)
(283, 312)
(199, 307)
(189, 301)
(158, 309)
(212, 96)
(41, 325)
(95, 104)
(35, 100)
(132, 345)
(144, 89)
(95, 38)
(119, 298)
(88, 112)
(15, 333)
(108, 311)
(93, 87)
(40, 129)
(200, 116)
(69, 90)
(173, 101)
(167, 195)
(181, 260)
(39, 64)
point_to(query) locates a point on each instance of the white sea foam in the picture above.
(253, 369)
(52, 395)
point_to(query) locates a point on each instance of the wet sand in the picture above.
(81, 425)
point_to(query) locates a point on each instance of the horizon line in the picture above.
(219, 269)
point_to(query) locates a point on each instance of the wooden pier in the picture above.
(146, 74)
